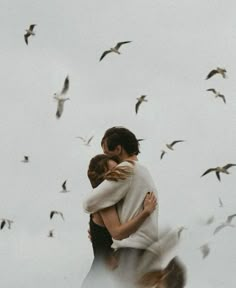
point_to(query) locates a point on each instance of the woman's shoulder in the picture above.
(127, 163)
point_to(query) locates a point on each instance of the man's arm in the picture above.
(107, 194)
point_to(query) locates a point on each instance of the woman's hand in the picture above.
(150, 202)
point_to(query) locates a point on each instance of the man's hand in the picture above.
(150, 202)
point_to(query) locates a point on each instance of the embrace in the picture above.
(123, 210)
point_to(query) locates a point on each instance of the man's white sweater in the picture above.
(128, 195)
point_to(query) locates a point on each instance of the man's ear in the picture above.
(118, 149)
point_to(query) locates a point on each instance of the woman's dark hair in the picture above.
(121, 136)
(98, 167)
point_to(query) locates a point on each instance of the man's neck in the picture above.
(132, 158)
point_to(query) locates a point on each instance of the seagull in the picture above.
(205, 250)
(86, 141)
(220, 202)
(60, 97)
(140, 100)
(218, 70)
(219, 170)
(26, 159)
(4, 222)
(29, 32)
(56, 212)
(227, 223)
(114, 49)
(170, 146)
(217, 94)
(50, 233)
(64, 187)
(163, 152)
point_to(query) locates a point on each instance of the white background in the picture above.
(174, 46)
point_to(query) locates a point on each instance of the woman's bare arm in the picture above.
(120, 231)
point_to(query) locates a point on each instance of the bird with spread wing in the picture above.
(114, 49)
(60, 97)
(219, 170)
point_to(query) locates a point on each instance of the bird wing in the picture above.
(65, 86)
(60, 107)
(210, 220)
(218, 175)
(205, 250)
(162, 154)
(2, 224)
(229, 165)
(9, 222)
(223, 97)
(229, 218)
(31, 28)
(213, 72)
(208, 171)
(212, 90)
(64, 185)
(174, 142)
(26, 38)
(61, 215)
(137, 106)
(51, 214)
(218, 228)
(104, 54)
(90, 139)
(119, 44)
(82, 138)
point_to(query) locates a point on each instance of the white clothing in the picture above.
(128, 195)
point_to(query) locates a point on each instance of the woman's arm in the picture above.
(120, 231)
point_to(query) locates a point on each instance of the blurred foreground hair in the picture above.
(173, 276)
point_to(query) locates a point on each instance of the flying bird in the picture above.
(140, 99)
(52, 213)
(219, 170)
(5, 222)
(217, 94)
(205, 249)
(26, 159)
(29, 32)
(114, 49)
(227, 223)
(170, 146)
(218, 70)
(86, 141)
(60, 97)
(64, 189)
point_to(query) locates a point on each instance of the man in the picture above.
(128, 195)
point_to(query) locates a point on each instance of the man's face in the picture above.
(106, 151)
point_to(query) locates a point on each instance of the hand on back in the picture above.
(150, 202)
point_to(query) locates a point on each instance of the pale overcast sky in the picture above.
(174, 46)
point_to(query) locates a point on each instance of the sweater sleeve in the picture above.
(107, 194)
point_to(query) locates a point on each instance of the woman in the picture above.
(105, 224)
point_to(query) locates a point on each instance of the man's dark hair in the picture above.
(121, 136)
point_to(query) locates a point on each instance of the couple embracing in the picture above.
(123, 210)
